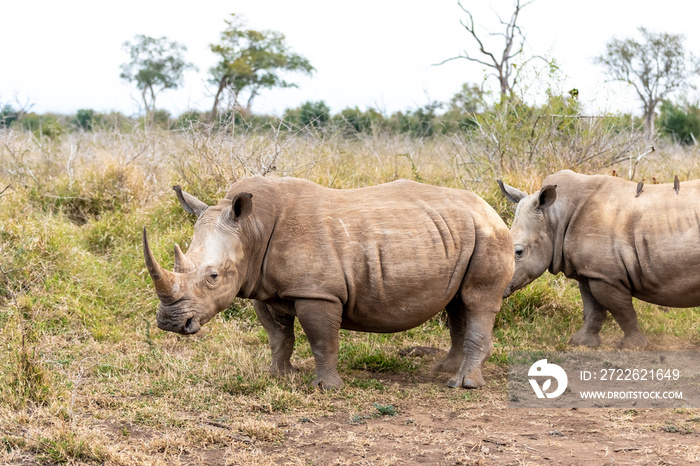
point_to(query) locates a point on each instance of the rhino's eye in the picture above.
(213, 275)
(519, 251)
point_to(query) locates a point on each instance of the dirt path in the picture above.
(474, 428)
(496, 436)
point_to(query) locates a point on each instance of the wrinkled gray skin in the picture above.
(379, 259)
(594, 230)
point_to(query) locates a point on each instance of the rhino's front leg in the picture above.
(321, 322)
(619, 303)
(593, 318)
(279, 326)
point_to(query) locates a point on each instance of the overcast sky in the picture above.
(65, 55)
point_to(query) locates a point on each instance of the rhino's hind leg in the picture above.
(279, 326)
(321, 323)
(593, 318)
(478, 345)
(479, 298)
(457, 322)
(480, 306)
(619, 303)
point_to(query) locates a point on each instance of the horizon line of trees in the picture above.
(657, 66)
(677, 121)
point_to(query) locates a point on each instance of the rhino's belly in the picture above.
(388, 318)
(674, 298)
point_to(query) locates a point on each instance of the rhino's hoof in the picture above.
(582, 338)
(634, 341)
(448, 365)
(465, 382)
(328, 383)
(282, 369)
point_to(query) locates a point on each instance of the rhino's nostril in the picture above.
(188, 325)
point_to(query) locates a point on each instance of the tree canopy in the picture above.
(654, 66)
(250, 61)
(155, 64)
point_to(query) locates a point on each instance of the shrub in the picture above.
(48, 125)
(86, 119)
(308, 115)
(681, 123)
(351, 122)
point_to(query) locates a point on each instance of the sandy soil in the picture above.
(485, 431)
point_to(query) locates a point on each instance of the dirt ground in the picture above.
(481, 432)
(492, 436)
(414, 419)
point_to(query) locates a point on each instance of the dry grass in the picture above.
(87, 378)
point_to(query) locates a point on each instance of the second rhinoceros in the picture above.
(378, 259)
(617, 238)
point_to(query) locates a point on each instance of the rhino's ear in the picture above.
(190, 203)
(241, 206)
(548, 194)
(512, 194)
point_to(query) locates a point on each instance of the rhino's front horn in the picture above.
(164, 280)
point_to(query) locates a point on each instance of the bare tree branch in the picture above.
(514, 46)
(655, 67)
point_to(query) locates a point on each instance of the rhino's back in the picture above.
(650, 243)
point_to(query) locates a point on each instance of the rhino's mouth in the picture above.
(168, 322)
(516, 284)
(508, 292)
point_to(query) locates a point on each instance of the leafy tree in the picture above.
(43, 125)
(656, 66)
(85, 119)
(189, 120)
(155, 64)
(353, 121)
(250, 61)
(8, 115)
(463, 108)
(680, 122)
(500, 62)
(309, 115)
(418, 123)
(470, 99)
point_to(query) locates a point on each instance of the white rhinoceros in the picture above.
(617, 238)
(379, 259)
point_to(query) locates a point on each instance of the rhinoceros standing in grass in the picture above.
(379, 259)
(617, 246)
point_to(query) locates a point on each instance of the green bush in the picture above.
(353, 121)
(86, 119)
(8, 115)
(308, 115)
(680, 122)
(48, 124)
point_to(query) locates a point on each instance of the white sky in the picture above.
(65, 55)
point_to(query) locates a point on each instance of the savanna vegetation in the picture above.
(87, 378)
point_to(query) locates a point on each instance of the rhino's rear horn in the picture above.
(183, 264)
(163, 280)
